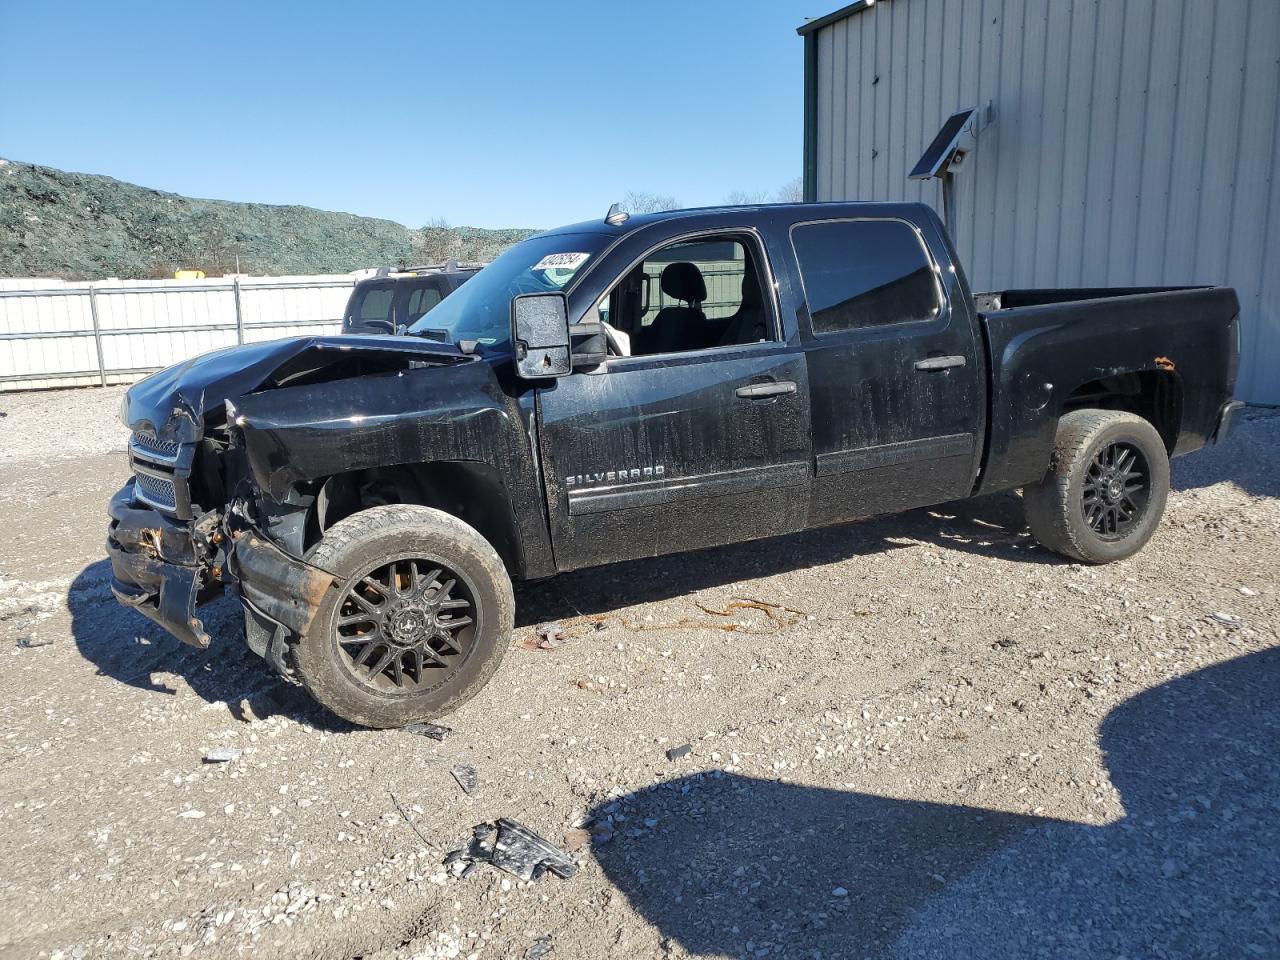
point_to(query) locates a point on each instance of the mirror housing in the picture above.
(589, 345)
(540, 335)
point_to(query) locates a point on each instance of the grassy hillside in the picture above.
(85, 227)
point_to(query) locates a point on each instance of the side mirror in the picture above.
(540, 335)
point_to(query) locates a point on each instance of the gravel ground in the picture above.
(56, 424)
(927, 738)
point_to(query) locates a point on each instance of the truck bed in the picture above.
(1174, 350)
(1013, 299)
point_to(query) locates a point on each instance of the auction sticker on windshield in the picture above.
(561, 261)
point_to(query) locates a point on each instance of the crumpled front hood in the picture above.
(172, 404)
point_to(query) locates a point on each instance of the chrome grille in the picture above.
(165, 450)
(156, 491)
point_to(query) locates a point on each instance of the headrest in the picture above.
(751, 290)
(683, 281)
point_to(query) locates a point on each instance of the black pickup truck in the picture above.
(639, 386)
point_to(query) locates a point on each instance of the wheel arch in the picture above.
(470, 490)
(1156, 395)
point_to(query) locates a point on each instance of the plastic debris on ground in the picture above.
(546, 636)
(431, 731)
(538, 949)
(675, 753)
(467, 778)
(1228, 620)
(513, 848)
(222, 754)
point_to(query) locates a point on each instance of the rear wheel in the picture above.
(1105, 490)
(419, 622)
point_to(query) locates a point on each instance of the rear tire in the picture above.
(1106, 488)
(419, 622)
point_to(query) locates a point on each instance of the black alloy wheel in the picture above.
(1115, 490)
(405, 625)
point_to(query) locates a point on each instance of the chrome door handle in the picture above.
(939, 363)
(754, 391)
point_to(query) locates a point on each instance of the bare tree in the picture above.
(436, 242)
(791, 192)
(637, 201)
(739, 198)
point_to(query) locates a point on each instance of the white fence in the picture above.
(54, 333)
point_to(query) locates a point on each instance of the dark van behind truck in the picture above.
(632, 387)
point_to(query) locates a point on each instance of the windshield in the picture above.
(480, 310)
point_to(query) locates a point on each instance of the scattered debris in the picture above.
(412, 826)
(675, 753)
(839, 892)
(192, 814)
(1228, 620)
(576, 838)
(467, 778)
(431, 731)
(550, 636)
(780, 616)
(1247, 592)
(538, 949)
(222, 754)
(30, 643)
(511, 847)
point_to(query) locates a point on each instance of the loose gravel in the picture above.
(920, 736)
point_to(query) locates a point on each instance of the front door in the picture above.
(696, 431)
(895, 376)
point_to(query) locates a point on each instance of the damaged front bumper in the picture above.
(164, 568)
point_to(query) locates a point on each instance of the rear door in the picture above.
(704, 443)
(895, 377)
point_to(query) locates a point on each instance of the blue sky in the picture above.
(482, 113)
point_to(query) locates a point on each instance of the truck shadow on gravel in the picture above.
(989, 527)
(744, 867)
(128, 647)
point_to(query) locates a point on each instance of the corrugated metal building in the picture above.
(1128, 142)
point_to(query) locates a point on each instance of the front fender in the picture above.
(293, 436)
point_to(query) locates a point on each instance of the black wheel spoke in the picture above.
(382, 663)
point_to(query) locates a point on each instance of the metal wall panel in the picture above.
(1131, 142)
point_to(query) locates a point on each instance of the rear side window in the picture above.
(421, 299)
(864, 273)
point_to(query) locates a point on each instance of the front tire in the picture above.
(418, 623)
(1106, 488)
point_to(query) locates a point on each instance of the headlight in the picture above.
(124, 410)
